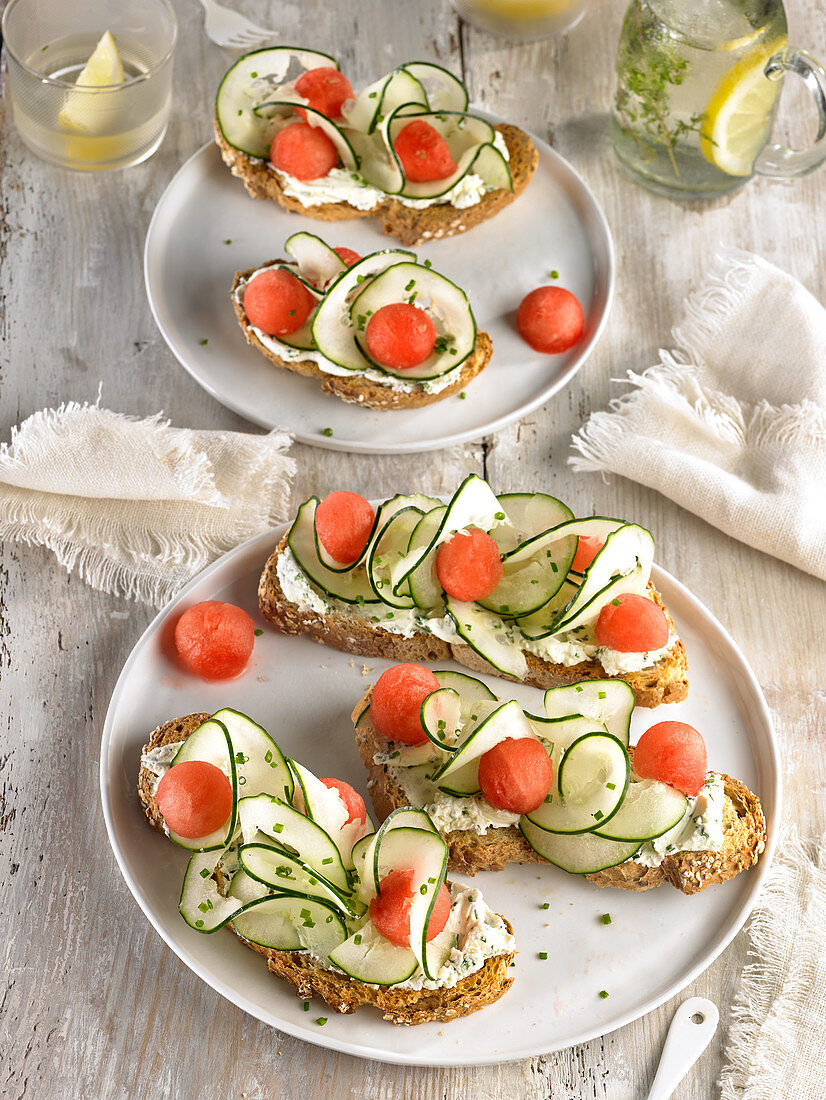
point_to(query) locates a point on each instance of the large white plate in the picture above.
(303, 693)
(555, 225)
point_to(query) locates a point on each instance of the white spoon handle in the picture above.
(692, 1029)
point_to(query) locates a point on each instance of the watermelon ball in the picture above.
(354, 803)
(587, 548)
(397, 699)
(550, 319)
(424, 153)
(214, 640)
(325, 90)
(468, 565)
(343, 523)
(632, 624)
(303, 151)
(195, 798)
(400, 336)
(516, 775)
(277, 303)
(347, 255)
(390, 911)
(674, 753)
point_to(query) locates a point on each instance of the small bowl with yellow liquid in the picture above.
(90, 81)
(523, 19)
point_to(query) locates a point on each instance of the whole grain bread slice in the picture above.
(354, 388)
(744, 830)
(308, 978)
(664, 682)
(410, 225)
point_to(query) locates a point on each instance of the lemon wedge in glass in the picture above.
(738, 118)
(87, 112)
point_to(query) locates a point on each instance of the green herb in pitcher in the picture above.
(693, 107)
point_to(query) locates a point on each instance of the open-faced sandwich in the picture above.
(506, 786)
(383, 331)
(293, 866)
(404, 150)
(511, 585)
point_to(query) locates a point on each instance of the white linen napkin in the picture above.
(775, 1046)
(135, 506)
(732, 426)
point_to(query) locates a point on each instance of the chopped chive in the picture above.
(199, 924)
(579, 687)
(554, 274)
(360, 600)
(326, 860)
(543, 954)
(462, 395)
(253, 75)
(611, 786)
(606, 918)
(357, 940)
(423, 888)
(228, 241)
(278, 827)
(600, 695)
(410, 285)
(268, 755)
(599, 815)
(322, 1020)
(291, 312)
(205, 873)
(616, 603)
(259, 632)
(327, 431)
(203, 342)
(603, 993)
(546, 905)
(306, 1006)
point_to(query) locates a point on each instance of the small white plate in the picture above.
(303, 693)
(555, 225)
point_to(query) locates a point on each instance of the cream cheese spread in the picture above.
(341, 185)
(700, 830)
(479, 934)
(447, 811)
(159, 760)
(291, 355)
(298, 590)
(560, 650)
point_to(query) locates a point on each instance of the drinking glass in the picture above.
(697, 88)
(523, 19)
(48, 44)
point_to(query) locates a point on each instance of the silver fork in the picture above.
(228, 28)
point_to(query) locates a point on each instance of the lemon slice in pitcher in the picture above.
(85, 113)
(738, 117)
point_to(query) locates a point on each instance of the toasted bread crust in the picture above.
(411, 226)
(664, 682)
(743, 824)
(345, 995)
(358, 390)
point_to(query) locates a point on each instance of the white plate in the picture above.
(555, 225)
(303, 694)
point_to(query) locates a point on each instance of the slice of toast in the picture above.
(342, 994)
(744, 830)
(410, 225)
(356, 389)
(664, 682)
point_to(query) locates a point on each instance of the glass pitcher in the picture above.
(697, 88)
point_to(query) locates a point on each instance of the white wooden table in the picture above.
(92, 1003)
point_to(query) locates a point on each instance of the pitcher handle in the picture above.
(779, 161)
